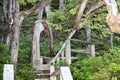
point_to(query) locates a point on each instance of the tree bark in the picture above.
(18, 19)
(80, 13)
(6, 29)
(38, 28)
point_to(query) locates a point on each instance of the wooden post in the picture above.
(8, 73)
(38, 28)
(52, 69)
(65, 73)
(62, 55)
(68, 52)
(92, 51)
(61, 77)
(111, 40)
(88, 34)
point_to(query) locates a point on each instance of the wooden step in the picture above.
(42, 79)
(43, 67)
(43, 74)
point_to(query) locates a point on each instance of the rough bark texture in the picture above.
(15, 37)
(37, 29)
(50, 36)
(80, 13)
(6, 29)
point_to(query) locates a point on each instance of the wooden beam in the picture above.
(68, 52)
(92, 51)
(80, 51)
(52, 70)
(77, 40)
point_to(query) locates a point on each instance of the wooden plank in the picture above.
(80, 51)
(62, 55)
(56, 72)
(8, 73)
(43, 67)
(42, 79)
(71, 58)
(52, 69)
(65, 73)
(59, 53)
(68, 52)
(77, 40)
(92, 50)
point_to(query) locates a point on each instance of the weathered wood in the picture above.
(71, 58)
(47, 10)
(43, 67)
(42, 79)
(80, 51)
(82, 41)
(62, 55)
(65, 73)
(56, 72)
(52, 69)
(88, 35)
(92, 51)
(8, 73)
(38, 28)
(63, 47)
(111, 41)
(68, 52)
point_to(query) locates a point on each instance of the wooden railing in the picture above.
(66, 48)
(63, 73)
(8, 72)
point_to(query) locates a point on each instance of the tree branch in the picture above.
(35, 9)
(80, 13)
(95, 7)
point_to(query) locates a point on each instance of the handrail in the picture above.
(63, 47)
(64, 72)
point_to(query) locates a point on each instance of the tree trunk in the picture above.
(38, 28)
(80, 13)
(18, 19)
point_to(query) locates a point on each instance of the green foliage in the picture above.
(4, 57)
(24, 2)
(60, 63)
(56, 16)
(106, 67)
(25, 72)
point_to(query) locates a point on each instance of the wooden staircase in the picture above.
(43, 72)
(50, 73)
